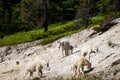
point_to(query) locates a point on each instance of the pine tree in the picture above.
(32, 13)
(83, 11)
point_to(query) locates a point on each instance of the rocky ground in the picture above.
(106, 62)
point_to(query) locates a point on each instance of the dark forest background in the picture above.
(26, 15)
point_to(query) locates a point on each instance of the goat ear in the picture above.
(47, 61)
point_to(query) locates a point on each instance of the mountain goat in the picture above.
(65, 48)
(87, 49)
(78, 64)
(37, 66)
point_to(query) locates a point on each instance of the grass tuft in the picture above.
(96, 20)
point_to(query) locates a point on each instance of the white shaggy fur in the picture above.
(87, 49)
(37, 66)
(78, 64)
(65, 48)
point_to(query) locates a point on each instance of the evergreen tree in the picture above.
(45, 24)
(83, 11)
(32, 13)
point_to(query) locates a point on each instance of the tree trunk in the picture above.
(45, 24)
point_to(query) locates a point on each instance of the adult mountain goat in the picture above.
(37, 66)
(78, 64)
(65, 48)
(88, 49)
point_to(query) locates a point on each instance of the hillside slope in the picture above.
(106, 61)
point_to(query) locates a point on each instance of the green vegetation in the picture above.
(26, 15)
(55, 32)
(25, 18)
(96, 20)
